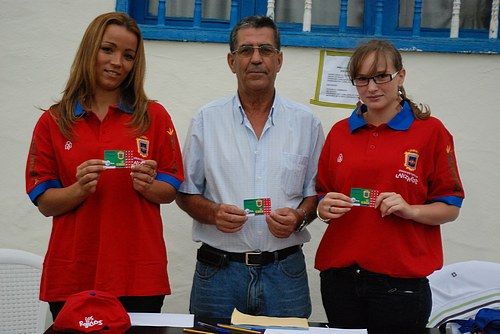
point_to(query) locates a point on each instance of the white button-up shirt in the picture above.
(226, 163)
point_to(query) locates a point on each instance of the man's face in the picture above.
(255, 72)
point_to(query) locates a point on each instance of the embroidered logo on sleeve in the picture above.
(457, 187)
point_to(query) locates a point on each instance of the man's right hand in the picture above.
(229, 218)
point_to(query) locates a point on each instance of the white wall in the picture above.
(38, 42)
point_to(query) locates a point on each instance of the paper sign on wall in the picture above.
(333, 86)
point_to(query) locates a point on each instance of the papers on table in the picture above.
(316, 330)
(287, 327)
(162, 319)
(277, 325)
(238, 318)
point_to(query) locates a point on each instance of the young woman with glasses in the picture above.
(387, 179)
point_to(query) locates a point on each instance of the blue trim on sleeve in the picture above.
(42, 187)
(169, 179)
(451, 200)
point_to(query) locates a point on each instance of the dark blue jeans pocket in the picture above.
(400, 301)
(294, 266)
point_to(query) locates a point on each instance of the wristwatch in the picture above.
(304, 221)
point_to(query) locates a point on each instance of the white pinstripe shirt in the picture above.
(225, 162)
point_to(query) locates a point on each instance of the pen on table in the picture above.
(212, 327)
(239, 329)
(195, 331)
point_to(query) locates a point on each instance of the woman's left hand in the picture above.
(143, 175)
(393, 203)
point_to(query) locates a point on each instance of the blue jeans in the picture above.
(356, 298)
(278, 289)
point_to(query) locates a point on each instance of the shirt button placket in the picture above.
(372, 142)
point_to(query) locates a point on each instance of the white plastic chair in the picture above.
(20, 309)
(461, 289)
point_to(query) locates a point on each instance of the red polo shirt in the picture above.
(412, 157)
(113, 241)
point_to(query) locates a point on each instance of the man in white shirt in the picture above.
(263, 149)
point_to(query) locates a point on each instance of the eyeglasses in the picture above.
(265, 50)
(378, 79)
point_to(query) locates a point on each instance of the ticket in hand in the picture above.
(120, 158)
(364, 197)
(257, 206)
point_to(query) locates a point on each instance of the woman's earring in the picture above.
(401, 91)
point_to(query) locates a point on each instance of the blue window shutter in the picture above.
(380, 20)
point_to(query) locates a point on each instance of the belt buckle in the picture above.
(247, 258)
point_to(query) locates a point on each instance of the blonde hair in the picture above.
(383, 51)
(81, 84)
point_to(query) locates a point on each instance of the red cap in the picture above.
(91, 311)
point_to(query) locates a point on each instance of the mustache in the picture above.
(256, 69)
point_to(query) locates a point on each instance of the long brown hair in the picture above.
(384, 50)
(81, 83)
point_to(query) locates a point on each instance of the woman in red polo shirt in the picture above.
(101, 162)
(387, 180)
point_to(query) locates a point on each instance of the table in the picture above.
(164, 330)
(177, 330)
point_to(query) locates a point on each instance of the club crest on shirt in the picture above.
(143, 146)
(411, 158)
(170, 131)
